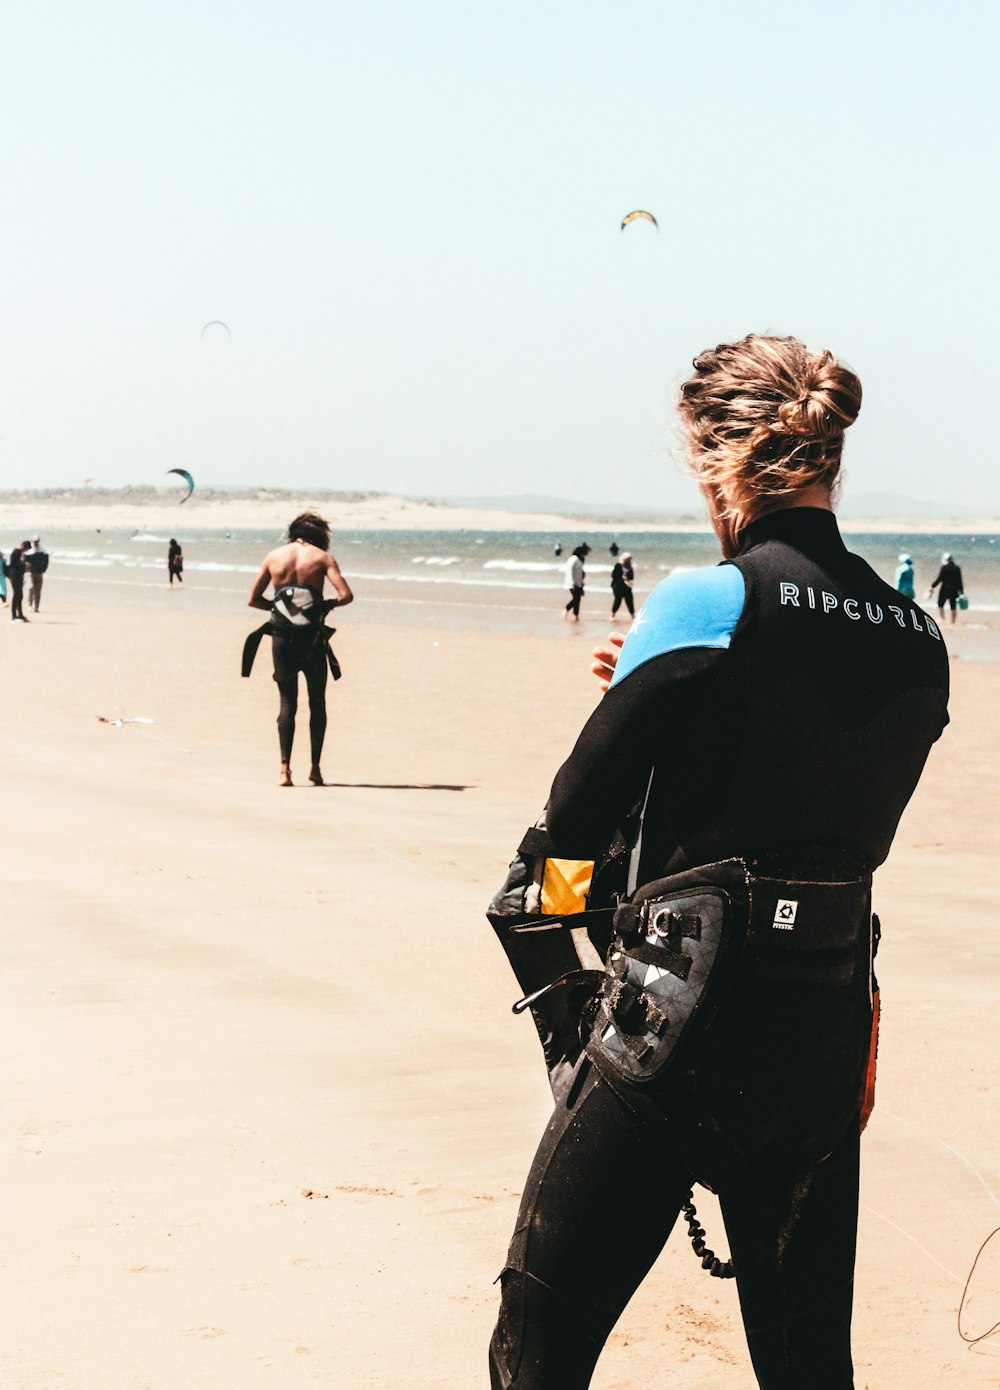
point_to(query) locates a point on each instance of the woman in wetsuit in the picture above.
(765, 724)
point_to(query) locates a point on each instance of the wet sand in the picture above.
(268, 1111)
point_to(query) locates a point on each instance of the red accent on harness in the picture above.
(868, 1102)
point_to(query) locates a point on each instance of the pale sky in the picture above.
(408, 214)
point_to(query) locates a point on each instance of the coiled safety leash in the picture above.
(719, 1269)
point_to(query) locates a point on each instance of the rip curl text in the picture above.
(824, 602)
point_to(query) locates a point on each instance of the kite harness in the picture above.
(746, 1001)
(297, 613)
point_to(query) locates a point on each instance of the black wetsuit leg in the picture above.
(16, 598)
(792, 1234)
(577, 1254)
(315, 671)
(292, 654)
(288, 703)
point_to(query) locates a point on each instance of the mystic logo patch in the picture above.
(784, 914)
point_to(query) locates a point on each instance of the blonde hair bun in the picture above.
(766, 418)
(829, 405)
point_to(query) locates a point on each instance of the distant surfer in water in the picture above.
(299, 638)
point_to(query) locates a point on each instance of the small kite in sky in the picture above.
(216, 323)
(631, 216)
(187, 478)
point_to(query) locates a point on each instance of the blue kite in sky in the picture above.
(187, 478)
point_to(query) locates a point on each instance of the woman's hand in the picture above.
(606, 659)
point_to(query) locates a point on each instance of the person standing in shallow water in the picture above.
(575, 576)
(905, 577)
(36, 562)
(298, 572)
(622, 579)
(763, 728)
(175, 562)
(950, 580)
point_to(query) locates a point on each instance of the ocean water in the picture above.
(501, 580)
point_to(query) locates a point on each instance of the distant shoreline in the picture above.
(262, 510)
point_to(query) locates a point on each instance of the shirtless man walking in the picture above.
(299, 640)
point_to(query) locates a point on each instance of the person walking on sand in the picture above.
(36, 562)
(575, 576)
(3, 578)
(721, 815)
(175, 562)
(622, 579)
(299, 639)
(14, 570)
(950, 581)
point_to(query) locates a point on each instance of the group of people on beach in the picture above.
(949, 585)
(29, 560)
(622, 580)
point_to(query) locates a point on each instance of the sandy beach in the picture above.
(268, 1111)
(78, 511)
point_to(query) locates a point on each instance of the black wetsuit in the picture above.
(299, 642)
(15, 573)
(777, 709)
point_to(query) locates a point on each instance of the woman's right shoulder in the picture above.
(689, 608)
(712, 586)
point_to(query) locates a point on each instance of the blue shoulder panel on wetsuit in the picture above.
(696, 608)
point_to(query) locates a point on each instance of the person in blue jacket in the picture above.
(764, 726)
(904, 579)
